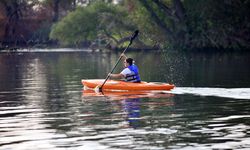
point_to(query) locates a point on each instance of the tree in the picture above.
(25, 22)
(97, 20)
(199, 24)
(12, 12)
(61, 7)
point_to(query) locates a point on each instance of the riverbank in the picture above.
(28, 48)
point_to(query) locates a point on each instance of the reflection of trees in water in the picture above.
(220, 69)
(11, 67)
(205, 69)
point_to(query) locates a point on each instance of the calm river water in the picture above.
(43, 106)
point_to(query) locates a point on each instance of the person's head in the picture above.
(128, 62)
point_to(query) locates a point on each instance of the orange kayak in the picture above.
(128, 86)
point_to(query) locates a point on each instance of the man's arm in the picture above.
(119, 76)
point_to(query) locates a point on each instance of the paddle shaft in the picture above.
(131, 40)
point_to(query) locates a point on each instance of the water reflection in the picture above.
(128, 119)
(42, 104)
(128, 103)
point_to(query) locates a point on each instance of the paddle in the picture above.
(99, 89)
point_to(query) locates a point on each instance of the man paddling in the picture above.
(130, 73)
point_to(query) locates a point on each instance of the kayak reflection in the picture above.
(129, 104)
(121, 95)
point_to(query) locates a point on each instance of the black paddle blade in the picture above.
(134, 36)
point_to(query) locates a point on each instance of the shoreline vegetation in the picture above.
(95, 24)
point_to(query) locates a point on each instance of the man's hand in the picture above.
(123, 56)
(110, 75)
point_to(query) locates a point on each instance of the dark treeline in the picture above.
(25, 23)
(175, 24)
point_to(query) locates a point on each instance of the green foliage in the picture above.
(76, 27)
(168, 23)
(150, 33)
(221, 24)
(86, 23)
(201, 24)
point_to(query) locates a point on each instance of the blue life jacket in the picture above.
(134, 76)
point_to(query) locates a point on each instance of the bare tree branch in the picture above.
(179, 10)
(157, 19)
